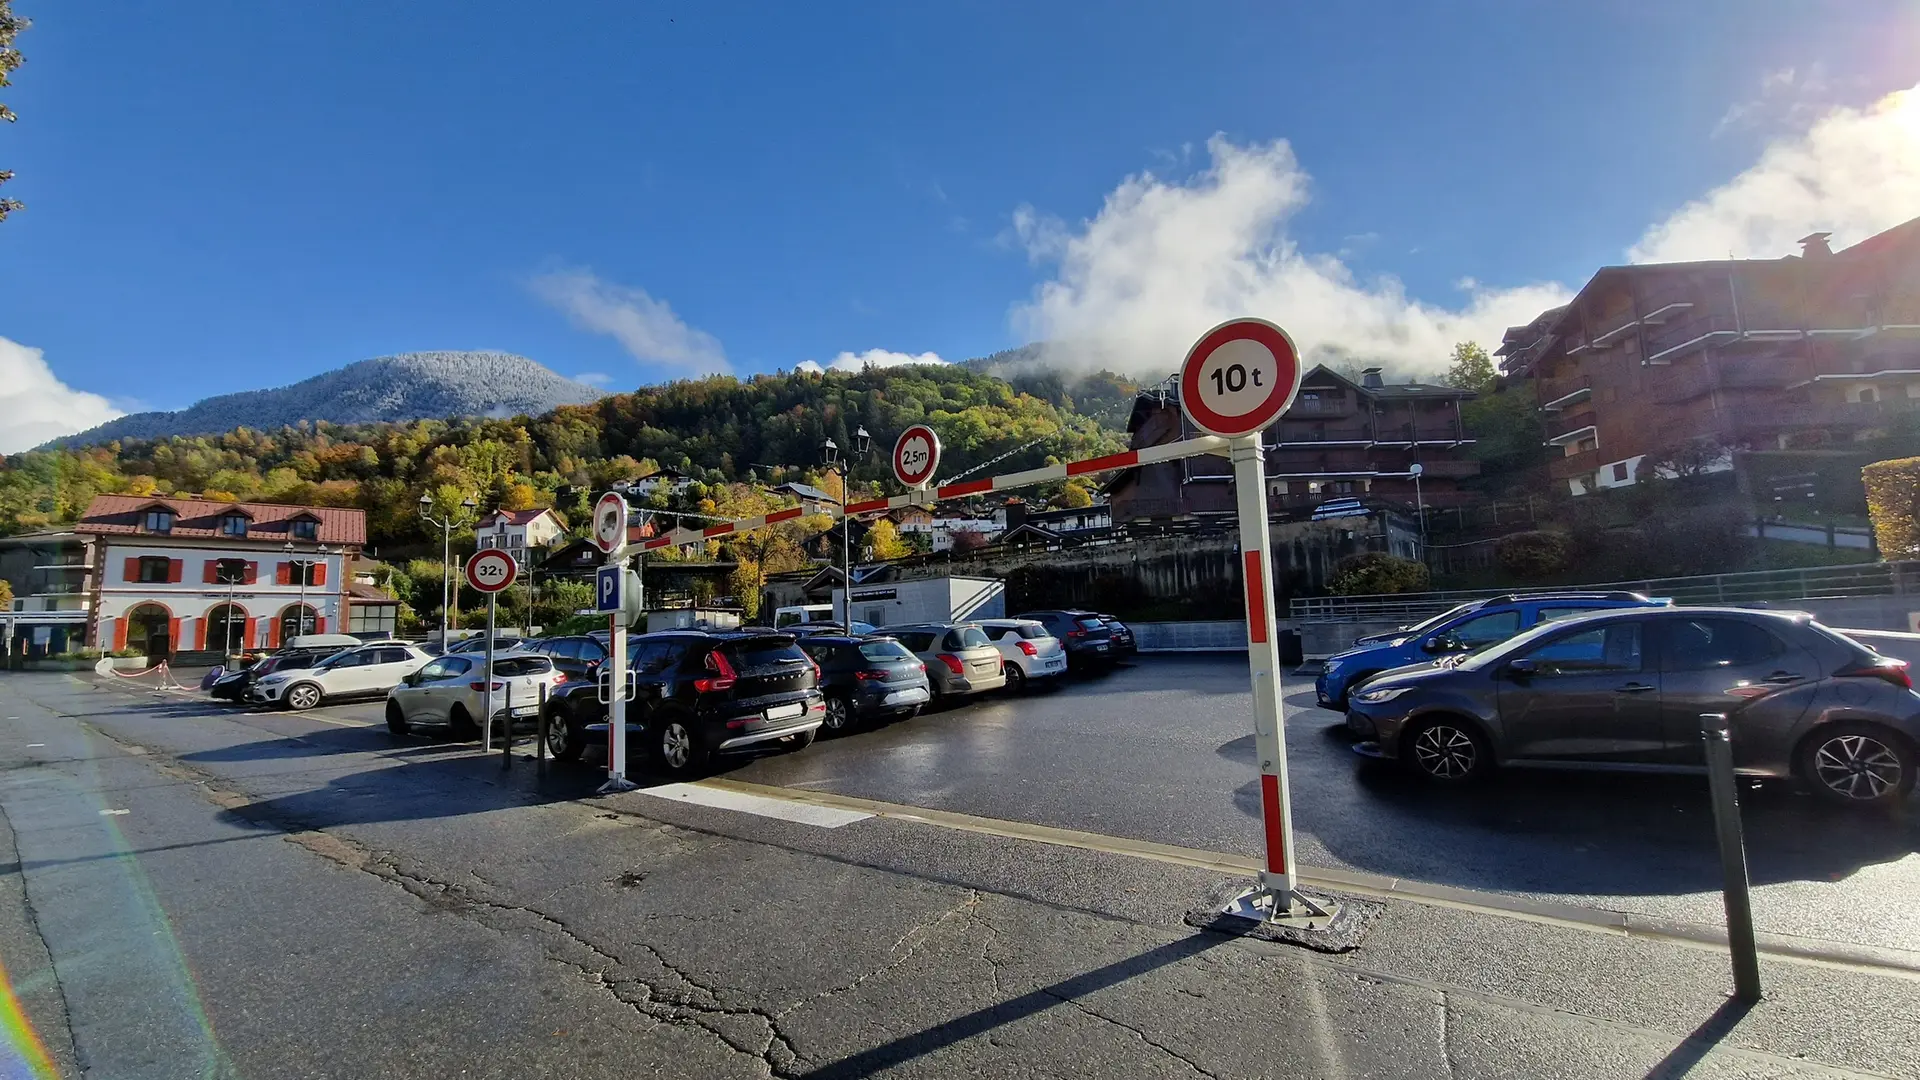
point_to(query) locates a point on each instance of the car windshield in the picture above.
(333, 660)
(1498, 650)
(522, 665)
(1030, 631)
(1091, 623)
(884, 650)
(1424, 625)
(971, 637)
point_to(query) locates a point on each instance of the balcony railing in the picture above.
(1574, 466)
(1557, 395)
(1580, 416)
(1295, 433)
(1685, 335)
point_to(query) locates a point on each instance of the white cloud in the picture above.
(1853, 172)
(1788, 97)
(1165, 259)
(593, 378)
(36, 406)
(647, 328)
(847, 361)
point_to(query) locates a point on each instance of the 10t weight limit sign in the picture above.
(1239, 377)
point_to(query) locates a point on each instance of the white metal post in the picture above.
(1263, 659)
(486, 685)
(617, 696)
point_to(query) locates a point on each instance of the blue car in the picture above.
(1463, 629)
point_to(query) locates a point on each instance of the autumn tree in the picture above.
(1471, 368)
(884, 539)
(10, 59)
(6, 595)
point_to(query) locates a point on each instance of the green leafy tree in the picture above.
(884, 538)
(1377, 572)
(1893, 504)
(1471, 368)
(10, 60)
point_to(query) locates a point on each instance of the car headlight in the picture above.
(1385, 693)
(270, 680)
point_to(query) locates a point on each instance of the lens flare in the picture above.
(22, 1056)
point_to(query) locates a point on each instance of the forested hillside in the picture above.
(721, 428)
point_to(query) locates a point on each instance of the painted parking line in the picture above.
(724, 798)
(1812, 952)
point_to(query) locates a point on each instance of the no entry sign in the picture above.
(491, 571)
(916, 456)
(1239, 377)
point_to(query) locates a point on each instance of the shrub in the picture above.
(79, 654)
(1893, 502)
(1535, 554)
(1377, 572)
(126, 654)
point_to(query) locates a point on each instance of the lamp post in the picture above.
(305, 567)
(467, 506)
(831, 458)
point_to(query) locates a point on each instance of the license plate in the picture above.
(786, 712)
(1052, 664)
(526, 710)
(1102, 647)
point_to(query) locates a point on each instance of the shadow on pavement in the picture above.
(921, 1043)
(1694, 1048)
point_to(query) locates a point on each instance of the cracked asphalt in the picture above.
(192, 891)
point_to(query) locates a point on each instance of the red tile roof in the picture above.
(116, 515)
(521, 517)
(368, 595)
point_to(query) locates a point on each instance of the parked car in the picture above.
(959, 658)
(699, 693)
(866, 678)
(1627, 688)
(1087, 637)
(1339, 508)
(1122, 636)
(450, 692)
(1420, 627)
(1028, 652)
(579, 656)
(368, 671)
(860, 629)
(478, 644)
(1466, 628)
(234, 685)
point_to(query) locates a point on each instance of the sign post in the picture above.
(491, 571)
(1238, 378)
(610, 588)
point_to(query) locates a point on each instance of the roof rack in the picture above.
(1508, 598)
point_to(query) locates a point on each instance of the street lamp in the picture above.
(446, 524)
(831, 458)
(305, 567)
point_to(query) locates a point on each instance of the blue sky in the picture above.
(227, 195)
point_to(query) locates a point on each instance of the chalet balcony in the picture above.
(1578, 466)
(1687, 335)
(1450, 469)
(1557, 395)
(1839, 415)
(1296, 433)
(1773, 374)
(1579, 416)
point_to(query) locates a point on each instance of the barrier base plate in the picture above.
(615, 785)
(1321, 923)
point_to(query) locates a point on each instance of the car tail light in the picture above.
(879, 676)
(953, 663)
(1883, 667)
(477, 687)
(1027, 647)
(817, 676)
(1076, 633)
(723, 676)
(923, 669)
(559, 677)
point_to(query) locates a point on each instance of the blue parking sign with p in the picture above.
(606, 589)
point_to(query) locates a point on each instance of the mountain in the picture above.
(413, 386)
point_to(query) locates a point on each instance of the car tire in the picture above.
(1016, 679)
(1858, 765)
(460, 725)
(1447, 750)
(839, 719)
(302, 696)
(564, 741)
(676, 745)
(795, 743)
(397, 719)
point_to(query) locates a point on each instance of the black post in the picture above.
(540, 729)
(506, 729)
(1715, 735)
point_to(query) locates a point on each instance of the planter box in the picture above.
(129, 663)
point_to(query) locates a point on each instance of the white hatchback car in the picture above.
(368, 671)
(1028, 651)
(449, 691)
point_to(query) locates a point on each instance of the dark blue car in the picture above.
(1463, 629)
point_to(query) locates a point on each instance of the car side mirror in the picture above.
(1522, 669)
(1436, 645)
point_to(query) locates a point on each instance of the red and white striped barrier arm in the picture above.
(1126, 459)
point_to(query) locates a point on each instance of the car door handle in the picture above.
(1784, 677)
(1632, 688)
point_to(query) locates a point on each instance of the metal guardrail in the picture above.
(1810, 583)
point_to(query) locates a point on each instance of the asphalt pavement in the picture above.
(195, 890)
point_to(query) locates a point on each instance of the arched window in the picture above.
(227, 628)
(296, 620)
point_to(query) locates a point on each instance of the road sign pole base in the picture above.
(615, 785)
(1291, 910)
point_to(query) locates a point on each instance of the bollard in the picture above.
(506, 729)
(1716, 736)
(540, 729)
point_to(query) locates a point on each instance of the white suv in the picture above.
(450, 692)
(1028, 650)
(368, 671)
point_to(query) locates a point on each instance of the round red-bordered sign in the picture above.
(1239, 377)
(491, 570)
(610, 523)
(916, 456)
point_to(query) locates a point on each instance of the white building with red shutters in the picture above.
(175, 575)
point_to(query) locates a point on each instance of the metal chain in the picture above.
(995, 461)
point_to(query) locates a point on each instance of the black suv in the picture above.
(1123, 643)
(580, 657)
(1087, 636)
(867, 678)
(697, 694)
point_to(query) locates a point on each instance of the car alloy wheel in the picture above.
(304, 696)
(1016, 679)
(837, 715)
(1857, 767)
(676, 745)
(1445, 752)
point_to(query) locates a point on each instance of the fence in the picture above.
(1757, 586)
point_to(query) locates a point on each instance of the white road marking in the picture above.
(114, 813)
(826, 817)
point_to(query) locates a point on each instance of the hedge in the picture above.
(1893, 502)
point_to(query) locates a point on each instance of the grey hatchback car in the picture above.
(1627, 689)
(959, 657)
